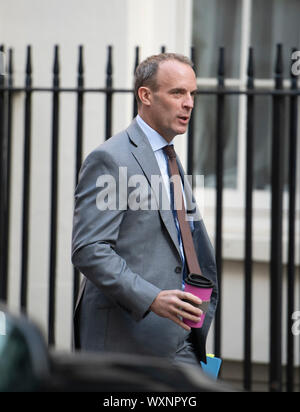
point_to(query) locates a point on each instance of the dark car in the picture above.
(27, 365)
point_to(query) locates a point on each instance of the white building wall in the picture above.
(43, 24)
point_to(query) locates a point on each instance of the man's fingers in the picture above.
(188, 307)
(188, 314)
(192, 298)
(171, 304)
(179, 322)
(185, 310)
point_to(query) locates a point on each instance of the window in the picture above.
(236, 25)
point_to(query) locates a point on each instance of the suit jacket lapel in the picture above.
(143, 153)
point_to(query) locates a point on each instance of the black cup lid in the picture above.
(200, 281)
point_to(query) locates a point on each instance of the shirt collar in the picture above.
(156, 141)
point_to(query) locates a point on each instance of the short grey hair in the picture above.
(145, 74)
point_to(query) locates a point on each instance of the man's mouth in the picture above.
(184, 119)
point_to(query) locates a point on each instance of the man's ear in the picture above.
(145, 95)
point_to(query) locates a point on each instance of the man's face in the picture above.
(172, 103)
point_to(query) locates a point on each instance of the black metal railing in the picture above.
(279, 95)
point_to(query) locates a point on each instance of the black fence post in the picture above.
(293, 126)
(7, 165)
(79, 119)
(54, 199)
(276, 230)
(248, 227)
(3, 183)
(9, 114)
(78, 154)
(109, 95)
(190, 134)
(136, 63)
(219, 194)
(26, 183)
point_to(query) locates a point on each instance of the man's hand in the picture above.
(170, 304)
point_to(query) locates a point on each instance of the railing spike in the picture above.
(221, 66)
(250, 69)
(28, 80)
(279, 67)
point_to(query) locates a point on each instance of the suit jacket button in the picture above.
(178, 269)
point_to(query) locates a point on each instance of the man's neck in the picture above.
(150, 124)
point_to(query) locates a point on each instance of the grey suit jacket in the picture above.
(128, 256)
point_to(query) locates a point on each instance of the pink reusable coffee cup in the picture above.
(201, 287)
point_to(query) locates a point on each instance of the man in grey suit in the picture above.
(126, 242)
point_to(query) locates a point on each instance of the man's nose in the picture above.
(189, 101)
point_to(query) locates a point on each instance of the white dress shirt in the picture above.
(157, 143)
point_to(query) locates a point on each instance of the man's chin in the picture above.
(181, 130)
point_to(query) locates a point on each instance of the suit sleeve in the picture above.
(95, 233)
